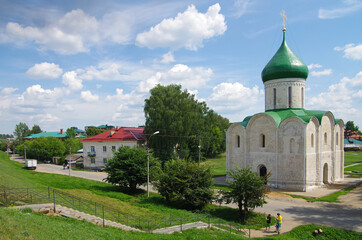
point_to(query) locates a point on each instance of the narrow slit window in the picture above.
(325, 138)
(302, 96)
(238, 141)
(312, 140)
(262, 140)
(289, 97)
(336, 138)
(275, 97)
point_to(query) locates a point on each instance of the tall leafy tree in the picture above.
(247, 191)
(350, 129)
(35, 129)
(43, 148)
(72, 144)
(181, 121)
(21, 131)
(92, 131)
(71, 133)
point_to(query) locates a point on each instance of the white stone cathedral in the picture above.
(301, 148)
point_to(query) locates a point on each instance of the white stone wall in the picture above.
(235, 153)
(282, 97)
(312, 154)
(100, 154)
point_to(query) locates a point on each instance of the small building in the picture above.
(351, 144)
(60, 135)
(99, 148)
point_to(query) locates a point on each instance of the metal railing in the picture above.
(23, 196)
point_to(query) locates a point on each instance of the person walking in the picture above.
(268, 221)
(279, 223)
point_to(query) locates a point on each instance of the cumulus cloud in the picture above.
(351, 51)
(179, 74)
(70, 79)
(44, 118)
(350, 7)
(340, 98)
(187, 29)
(44, 70)
(234, 96)
(314, 65)
(132, 98)
(8, 91)
(325, 72)
(88, 96)
(168, 58)
(105, 71)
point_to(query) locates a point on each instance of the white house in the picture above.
(99, 148)
(301, 148)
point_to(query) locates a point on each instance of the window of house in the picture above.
(312, 140)
(92, 149)
(113, 147)
(262, 140)
(238, 141)
(104, 148)
(93, 160)
(289, 97)
(325, 138)
(336, 138)
(275, 97)
(104, 160)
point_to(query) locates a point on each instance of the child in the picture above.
(279, 223)
(268, 220)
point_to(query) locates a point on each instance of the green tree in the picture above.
(71, 133)
(44, 148)
(186, 183)
(92, 131)
(73, 143)
(350, 129)
(181, 119)
(247, 191)
(128, 167)
(21, 131)
(35, 129)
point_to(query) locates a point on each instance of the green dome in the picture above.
(284, 64)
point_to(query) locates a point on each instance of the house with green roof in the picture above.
(60, 134)
(300, 148)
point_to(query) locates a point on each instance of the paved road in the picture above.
(295, 212)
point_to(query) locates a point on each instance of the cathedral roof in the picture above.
(279, 115)
(284, 64)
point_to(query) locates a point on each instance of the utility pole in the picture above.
(199, 149)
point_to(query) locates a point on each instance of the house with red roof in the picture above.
(99, 148)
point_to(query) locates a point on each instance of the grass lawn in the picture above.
(16, 224)
(14, 175)
(352, 157)
(217, 164)
(354, 168)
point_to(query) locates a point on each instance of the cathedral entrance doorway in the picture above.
(325, 173)
(262, 172)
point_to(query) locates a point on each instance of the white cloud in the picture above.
(44, 70)
(352, 6)
(44, 118)
(325, 72)
(340, 98)
(105, 71)
(89, 97)
(8, 91)
(187, 29)
(234, 96)
(179, 74)
(351, 51)
(70, 79)
(168, 58)
(240, 7)
(132, 98)
(314, 65)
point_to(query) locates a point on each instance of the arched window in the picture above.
(291, 145)
(262, 140)
(312, 140)
(302, 96)
(238, 141)
(336, 138)
(325, 138)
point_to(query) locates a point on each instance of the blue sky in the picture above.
(79, 63)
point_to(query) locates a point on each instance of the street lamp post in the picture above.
(148, 165)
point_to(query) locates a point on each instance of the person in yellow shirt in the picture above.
(279, 223)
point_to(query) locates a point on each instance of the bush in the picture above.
(128, 168)
(185, 182)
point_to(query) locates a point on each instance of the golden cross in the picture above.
(284, 17)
